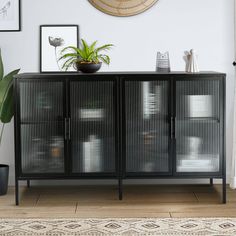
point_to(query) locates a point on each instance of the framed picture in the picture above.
(53, 39)
(10, 15)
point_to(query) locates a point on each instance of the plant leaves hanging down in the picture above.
(6, 97)
(1, 67)
(6, 93)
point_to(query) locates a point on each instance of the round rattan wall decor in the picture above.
(123, 7)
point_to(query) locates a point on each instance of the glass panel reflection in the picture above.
(42, 148)
(93, 134)
(147, 128)
(92, 154)
(197, 126)
(151, 99)
(41, 101)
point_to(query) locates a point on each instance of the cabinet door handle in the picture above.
(69, 129)
(65, 128)
(172, 127)
(174, 124)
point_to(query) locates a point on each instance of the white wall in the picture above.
(173, 25)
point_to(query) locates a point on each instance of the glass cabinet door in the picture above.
(197, 126)
(147, 127)
(93, 139)
(41, 127)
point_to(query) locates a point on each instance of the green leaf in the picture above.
(69, 63)
(105, 59)
(70, 55)
(69, 60)
(7, 110)
(1, 67)
(70, 47)
(104, 47)
(92, 47)
(85, 48)
(5, 86)
(91, 56)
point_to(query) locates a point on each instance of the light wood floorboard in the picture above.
(102, 201)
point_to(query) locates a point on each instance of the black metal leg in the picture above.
(120, 190)
(224, 190)
(211, 181)
(17, 192)
(28, 183)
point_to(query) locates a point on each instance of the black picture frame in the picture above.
(18, 19)
(41, 44)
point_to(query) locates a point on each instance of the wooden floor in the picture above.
(139, 201)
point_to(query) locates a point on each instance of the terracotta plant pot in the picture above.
(88, 67)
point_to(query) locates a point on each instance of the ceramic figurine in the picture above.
(163, 62)
(191, 62)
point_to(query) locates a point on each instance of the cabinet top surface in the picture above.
(118, 73)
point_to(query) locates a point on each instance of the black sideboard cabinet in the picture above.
(120, 126)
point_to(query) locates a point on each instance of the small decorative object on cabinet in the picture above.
(121, 7)
(191, 60)
(10, 15)
(88, 59)
(163, 62)
(52, 40)
(125, 125)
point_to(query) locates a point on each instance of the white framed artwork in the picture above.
(53, 39)
(10, 15)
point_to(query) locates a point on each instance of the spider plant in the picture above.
(87, 54)
(6, 96)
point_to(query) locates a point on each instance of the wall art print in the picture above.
(53, 39)
(10, 16)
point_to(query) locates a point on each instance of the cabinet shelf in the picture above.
(28, 122)
(154, 118)
(198, 119)
(88, 122)
(42, 168)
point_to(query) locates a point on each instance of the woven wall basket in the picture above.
(123, 7)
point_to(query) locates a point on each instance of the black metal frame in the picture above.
(19, 21)
(119, 104)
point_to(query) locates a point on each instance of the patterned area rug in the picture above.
(129, 226)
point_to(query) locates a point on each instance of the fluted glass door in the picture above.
(147, 128)
(93, 129)
(198, 126)
(42, 127)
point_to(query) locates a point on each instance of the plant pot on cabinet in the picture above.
(4, 173)
(88, 67)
